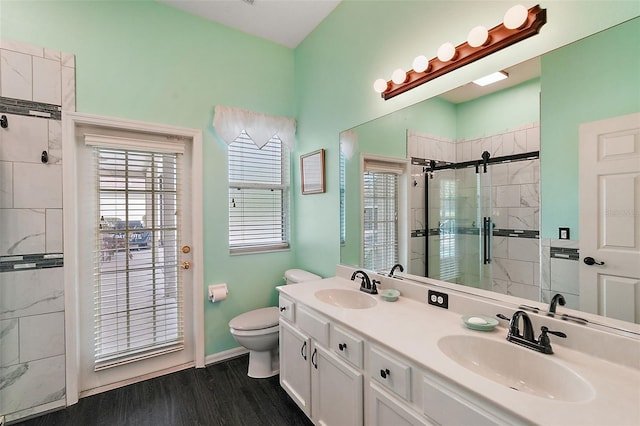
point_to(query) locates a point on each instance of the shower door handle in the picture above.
(486, 239)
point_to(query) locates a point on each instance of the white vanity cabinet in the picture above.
(325, 387)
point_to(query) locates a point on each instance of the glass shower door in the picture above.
(460, 227)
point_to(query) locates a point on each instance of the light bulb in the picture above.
(380, 85)
(420, 63)
(515, 17)
(446, 52)
(477, 36)
(399, 76)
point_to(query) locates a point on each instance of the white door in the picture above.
(610, 217)
(135, 257)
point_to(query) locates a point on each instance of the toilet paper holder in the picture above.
(218, 292)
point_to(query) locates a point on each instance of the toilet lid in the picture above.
(256, 320)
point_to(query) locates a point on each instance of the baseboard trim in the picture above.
(225, 355)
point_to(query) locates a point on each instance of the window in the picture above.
(258, 195)
(380, 224)
(138, 303)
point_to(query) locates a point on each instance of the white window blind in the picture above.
(380, 197)
(258, 195)
(449, 267)
(138, 300)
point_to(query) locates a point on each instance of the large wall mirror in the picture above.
(494, 178)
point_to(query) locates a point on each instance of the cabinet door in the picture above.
(295, 377)
(384, 410)
(336, 390)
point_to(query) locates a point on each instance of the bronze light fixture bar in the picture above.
(499, 37)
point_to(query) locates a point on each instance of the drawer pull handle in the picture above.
(384, 373)
(283, 308)
(303, 351)
(342, 346)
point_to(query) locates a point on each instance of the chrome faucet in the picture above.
(396, 266)
(557, 298)
(526, 338)
(365, 284)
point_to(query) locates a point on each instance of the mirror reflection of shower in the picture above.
(476, 221)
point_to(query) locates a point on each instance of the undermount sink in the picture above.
(349, 299)
(516, 367)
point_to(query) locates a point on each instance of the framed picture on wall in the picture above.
(312, 172)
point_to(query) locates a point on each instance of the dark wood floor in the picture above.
(221, 394)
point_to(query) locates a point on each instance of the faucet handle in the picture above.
(544, 342)
(545, 330)
(503, 317)
(374, 288)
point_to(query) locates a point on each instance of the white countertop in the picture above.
(413, 329)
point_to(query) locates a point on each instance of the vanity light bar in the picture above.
(498, 37)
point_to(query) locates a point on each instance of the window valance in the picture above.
(229, 122)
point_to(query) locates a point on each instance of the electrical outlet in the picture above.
(438, 299)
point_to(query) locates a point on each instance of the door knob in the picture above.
(186, 249)
(186, 265)
(591, 261)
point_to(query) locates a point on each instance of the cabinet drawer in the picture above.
(287, 309)
(391, 373)
(313, 324)
(347, 346)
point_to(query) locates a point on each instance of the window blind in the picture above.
(138, 299)
(258, 195)
(449, 267)
(380, 202)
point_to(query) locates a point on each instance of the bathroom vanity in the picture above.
(347, 357)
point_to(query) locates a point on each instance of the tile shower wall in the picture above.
(515, 208)
(36, 84)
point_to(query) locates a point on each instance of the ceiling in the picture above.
(286, 22)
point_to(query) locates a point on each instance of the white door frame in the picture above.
(70, 122)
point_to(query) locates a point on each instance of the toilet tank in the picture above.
(292, 276)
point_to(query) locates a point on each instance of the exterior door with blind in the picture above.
(384, 221)
(135, 292)
(610, 217)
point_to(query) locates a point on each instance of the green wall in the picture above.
(500, 111)
(583, 82)
(335, 67)
(143, 60)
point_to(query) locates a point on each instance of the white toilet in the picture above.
(257, 331)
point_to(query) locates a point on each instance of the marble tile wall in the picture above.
(36, 84)
(515, 208)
